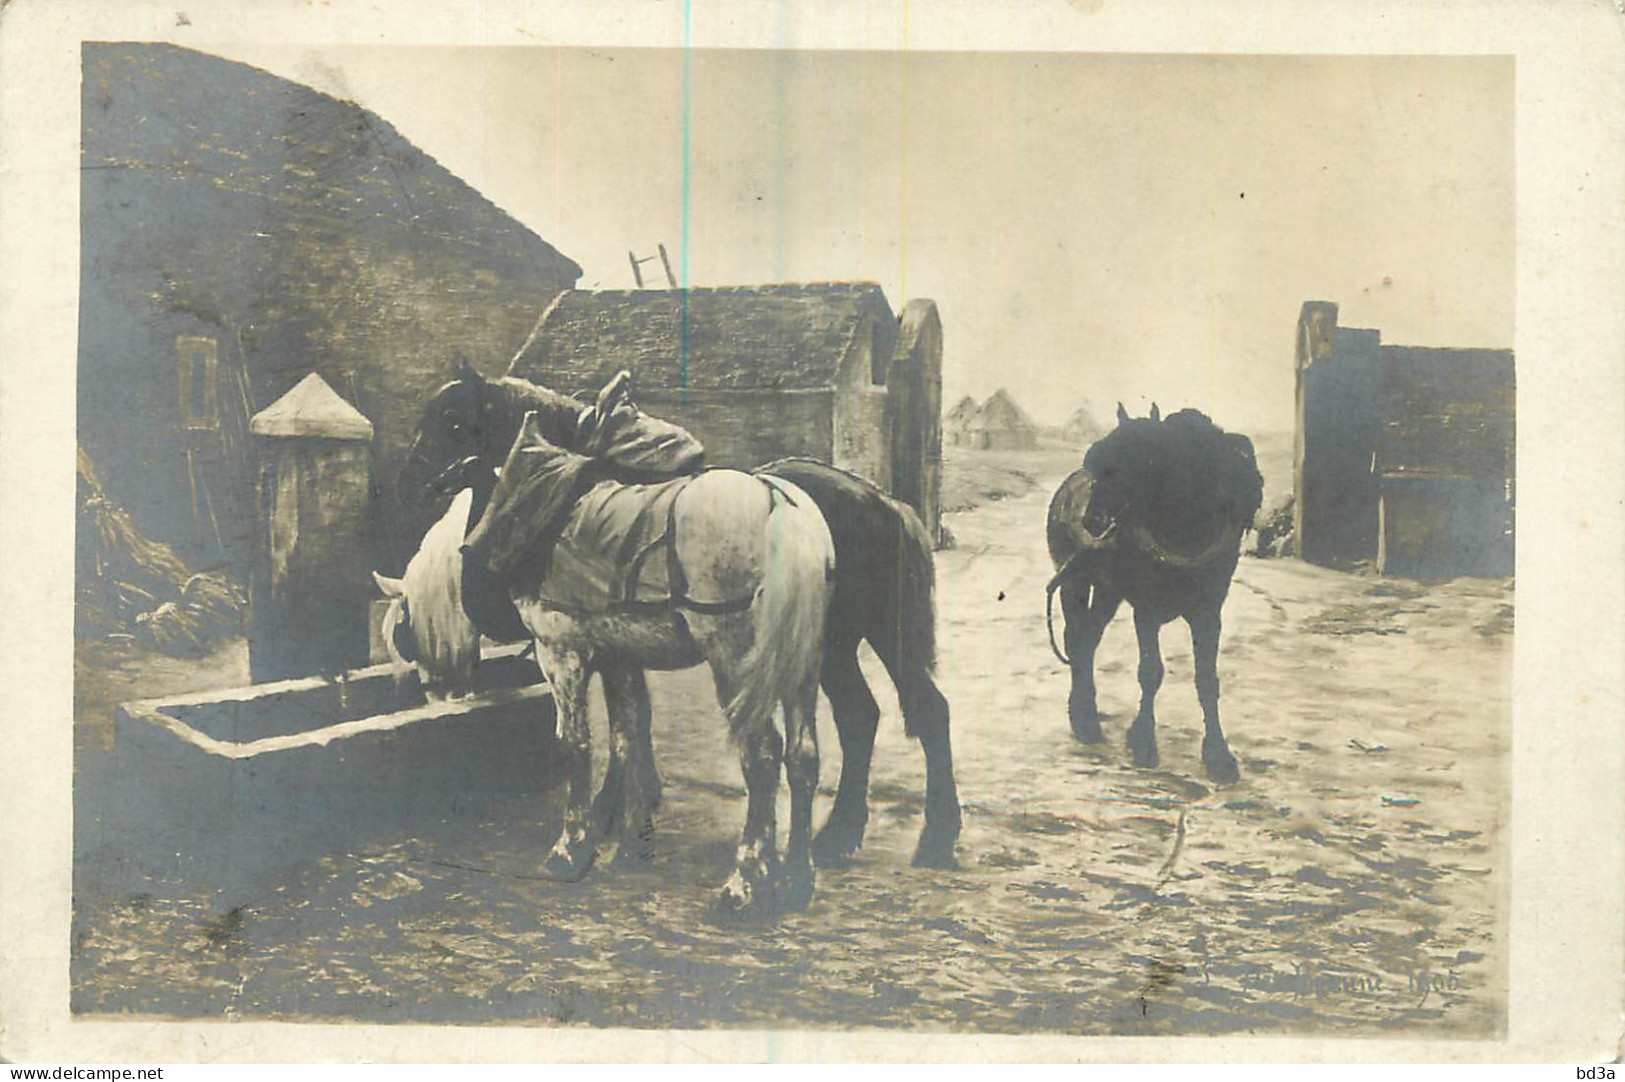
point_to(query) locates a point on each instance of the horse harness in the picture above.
(676, 578)
(494, 613)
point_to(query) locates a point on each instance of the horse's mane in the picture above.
(448, 644)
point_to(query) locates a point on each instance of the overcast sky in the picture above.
(1093, 227)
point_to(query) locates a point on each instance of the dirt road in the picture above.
(1353, 882)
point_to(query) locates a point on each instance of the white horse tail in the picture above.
(788, 611)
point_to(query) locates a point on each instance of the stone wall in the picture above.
(1404, 455)
(295, 232)
(747, 428)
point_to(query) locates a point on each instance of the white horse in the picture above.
(431, 633)
(755, 560)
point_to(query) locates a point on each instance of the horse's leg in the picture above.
(725, 642)
(1086, 620)
(628, 736)
(644, 761)
(925, 717)
(576, 848)
(607, 805)
(1142, 735)
(857, 717)
(760, 752)
(1216, 757)
(801, 767)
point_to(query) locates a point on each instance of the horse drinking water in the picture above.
(1154, 517)
(885, 581)
(733, 571)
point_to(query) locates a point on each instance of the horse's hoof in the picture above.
(634, 850)
(794, 890)
(567, 865)
(743, 895)
(1221, 766)
(935, 849)
(1085, 722)
(1087, 732)
(836, 843)
(1144, 753)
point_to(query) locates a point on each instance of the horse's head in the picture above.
(1183, 482)
(454, 426)
(1123, 465)
(425, 628)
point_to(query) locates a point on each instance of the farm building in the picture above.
(1001, 425)
(240, 232)
(759, 372)
(1404, 455)
(1081, 428)
(955, 424)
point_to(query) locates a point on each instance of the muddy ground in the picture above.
(1354, 882)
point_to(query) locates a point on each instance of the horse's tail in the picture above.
(789, 608)
(917, 588)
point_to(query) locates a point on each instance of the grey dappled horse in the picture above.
(755, 559)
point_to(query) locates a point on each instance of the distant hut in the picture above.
(1081, 428)
(956, 423)
(241, 232)
(760, 372)
(1002, 425)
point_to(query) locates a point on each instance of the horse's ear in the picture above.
(1122, 414)
(390, 587)
(1156, 414)
(462, 369)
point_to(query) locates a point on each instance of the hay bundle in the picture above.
(130, 585)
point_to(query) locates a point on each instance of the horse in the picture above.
(444, 646)
(884, 594)
(1155, 517)
(749, 561)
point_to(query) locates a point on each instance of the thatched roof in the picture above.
(1001, 413)
(1082, 425)
(781, 337)
(962, 412)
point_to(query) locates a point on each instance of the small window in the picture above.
(196, 355)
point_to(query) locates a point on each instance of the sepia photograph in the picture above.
(633, 539)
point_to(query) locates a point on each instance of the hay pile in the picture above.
(131, 588)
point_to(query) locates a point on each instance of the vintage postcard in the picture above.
(1035, 530)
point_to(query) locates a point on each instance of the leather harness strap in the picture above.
(676, 577)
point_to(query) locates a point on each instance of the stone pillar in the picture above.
(915, 379)
(1339, 379)
(311, 584)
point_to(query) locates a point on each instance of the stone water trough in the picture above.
(229, 791)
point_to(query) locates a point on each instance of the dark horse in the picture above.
(1154, 517)
(885, 581)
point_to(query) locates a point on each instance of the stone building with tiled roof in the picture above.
(759, 372)
(241, 231)
(1404, 454)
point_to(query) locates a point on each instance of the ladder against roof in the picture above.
(665, 262)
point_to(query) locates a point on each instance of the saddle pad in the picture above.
(592, 565)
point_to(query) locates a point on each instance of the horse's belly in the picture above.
(648, 640)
